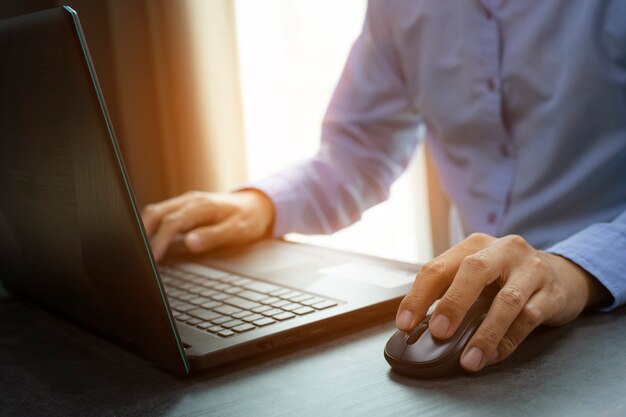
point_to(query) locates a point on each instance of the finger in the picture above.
(532, 315)
(228, 233)
(152, 214)
(476, 272)
(180, 221)
(433, 279)
(506, 307)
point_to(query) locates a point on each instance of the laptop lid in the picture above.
(70, 232)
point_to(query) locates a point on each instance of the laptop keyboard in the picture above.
(226, 304)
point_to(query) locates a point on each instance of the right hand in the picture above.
(208, 221)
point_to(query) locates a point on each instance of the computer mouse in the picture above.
(419, 354)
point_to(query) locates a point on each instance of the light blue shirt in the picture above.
(524, 104)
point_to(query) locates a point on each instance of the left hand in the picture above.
(533, 288)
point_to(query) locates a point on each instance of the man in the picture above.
(524, 103)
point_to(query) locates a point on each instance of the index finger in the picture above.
(434, 278)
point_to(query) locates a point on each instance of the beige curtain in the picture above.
(170, 76)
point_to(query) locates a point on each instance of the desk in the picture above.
(50, 367)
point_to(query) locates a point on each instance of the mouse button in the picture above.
(396, 344)
(415, 334)
(428, 349)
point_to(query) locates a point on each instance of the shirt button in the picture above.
(504, 151)
(491, 84)
(492, 217)
(488, 14)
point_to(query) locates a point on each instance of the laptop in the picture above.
(71, 236)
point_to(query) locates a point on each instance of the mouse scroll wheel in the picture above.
(415, 334)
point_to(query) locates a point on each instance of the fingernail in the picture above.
(471, 360)
(404, 320)
(194, 242)
(439, 325)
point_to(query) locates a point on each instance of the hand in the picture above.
(533, 288)
(208, 220)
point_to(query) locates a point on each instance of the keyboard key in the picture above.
(241, 303)
(183, 317)
(301, 298)
(193, 321)
(186, 296)
(211, 304)
(229, 278)
(284, 316)
(280, 303)
(253, 317)
(232, 323)
(184, 307)
(241, 281)
(198, 300)
(290, 295)
(176, 313)
(201, 270)
(270, 300)
(272, 312)
(174, 292)
(196, 289)
(203, 314)
(226, 333)
(233, 290)
(312, 301)
(291, 307)
(324, 304)
(261, 309)
(262, 287)
(279, 292)
(227, 310)
(219, 297)
(263, 322)
(221, 287)
(186, 285)
(207, 292)
(220, 320)
(243, 327)
(242, 314)
(215, 329)
(303, 310)
(204, 325)
(251, 295)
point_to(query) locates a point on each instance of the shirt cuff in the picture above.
(599, 249)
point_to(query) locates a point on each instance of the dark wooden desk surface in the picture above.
(50, 367)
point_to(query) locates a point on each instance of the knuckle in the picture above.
(479, 237)
(435, 267)
(412, 299)
(516, 242)
(507, 345)
(476, 262)
(512, 297)
(532, 315)
(171, 219)
(537, 265)
(451, 302)
(487, 337)
(150, 210)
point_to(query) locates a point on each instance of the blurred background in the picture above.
(208, 94)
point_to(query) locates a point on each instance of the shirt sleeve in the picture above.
(600, 249)
(369, 134)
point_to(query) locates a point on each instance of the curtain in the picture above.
(170, 80)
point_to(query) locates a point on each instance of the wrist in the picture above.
(263, 207)
(594, 292)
